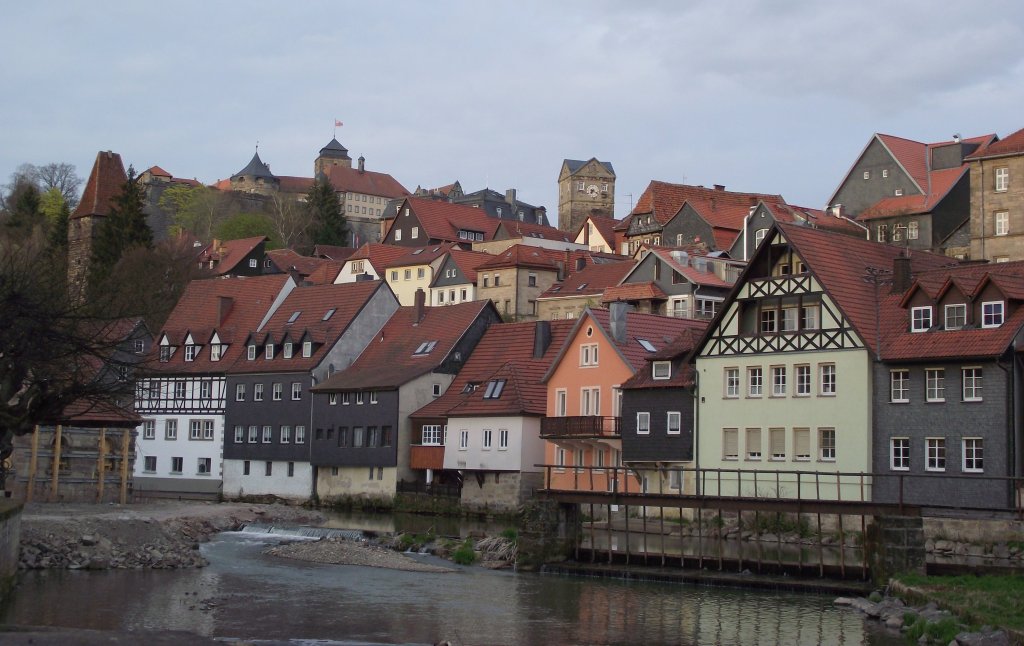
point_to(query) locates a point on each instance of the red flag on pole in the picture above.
(337, 123)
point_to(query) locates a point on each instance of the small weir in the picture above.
(302, 531)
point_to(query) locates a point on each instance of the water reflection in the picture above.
(245, 594)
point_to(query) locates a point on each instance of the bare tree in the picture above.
(61, 176)
(292, 222)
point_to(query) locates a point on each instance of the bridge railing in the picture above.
(966, 492)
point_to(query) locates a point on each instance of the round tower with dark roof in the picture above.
(255, 178)
(333, 154)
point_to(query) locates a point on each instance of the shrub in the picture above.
(464, 554)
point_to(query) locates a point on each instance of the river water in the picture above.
(246, 594)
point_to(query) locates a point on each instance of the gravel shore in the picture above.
(339, 551)
(157, 535)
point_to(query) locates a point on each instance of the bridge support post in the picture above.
(894, 545)
(548, 532)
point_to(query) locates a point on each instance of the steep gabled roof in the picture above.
(941, 183)
(104, 184)
(391, 359)
(336, 150)
(333, 252)
(379, 255)
(286, 259)
(243, 302)
(720, 208)
(468, 261)
(228, 253)
(840, 264)
(290, 184)
(367, 182)
(420, 255)
(319, 313)
(814, 217)
(573, 165)
(326, 273)
(442, 220)
(684, 267)
(634, 292)
(592, 280)
(605, 226)
(504, 352)
(682, 373)
(1012, 145)
(520, 255)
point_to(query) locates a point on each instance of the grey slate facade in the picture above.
(658, 445)
(355, 428)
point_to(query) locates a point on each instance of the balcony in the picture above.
(426, 457)
(580, 427)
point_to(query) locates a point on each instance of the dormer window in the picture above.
(251, 352)
(494, 389)
(307, 348)
(288, 350)
(215, 352)
(992, 314)
(269, 351)
(956, 316)
(165, 353)
(190, 352)
(920, 318)
(661, 370)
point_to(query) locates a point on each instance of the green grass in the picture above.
(510, 534)
(992, 600)
(464, 554)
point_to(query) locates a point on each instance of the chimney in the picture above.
(541, 338)
(215, 247)
(900, 274)
(421, 299)
(224, 304)
(617, 319)
(719, 187)
(561, 270)
(362, 164)
(510, 197)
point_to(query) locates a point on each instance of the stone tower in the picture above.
(333, 154)
(255, 178)
(585, 188)
(105, 182)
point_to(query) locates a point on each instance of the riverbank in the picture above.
(156, 535)
(339, 551)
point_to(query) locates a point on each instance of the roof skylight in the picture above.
(294, 317)
(647, 345)
(494, 388)
(425, 348)
(329, 314)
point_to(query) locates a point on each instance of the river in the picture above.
(246, 594)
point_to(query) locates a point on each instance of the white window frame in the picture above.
(972, 454)
(239, 392)
(993, 313)
(464, 439)
(755, 381)
(921, 318)
(912, 230)
(826, 450)
(752, 440)
(899, 461)
(488, 438)
(899, 386)
(171, 429)
(561, 402)
(775, 434)
(779, 379)
(296, 391)
(953, 312)
(732, 383)
(827, 380)
(502, 439)
(803, 387)
(588, 355)
(1002, 178)
(935, 454)
(643, 423)
(1002, 224)
(801, 432)
(934, 384)
(149, 429)
(674, 422)
(277, 391)
(257, 392)
(975, 380)
(300, 434)
(734, 434)
(665, 371)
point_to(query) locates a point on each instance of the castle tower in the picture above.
(333, 154)
(105, 182)
(255, 178)
(585, 188)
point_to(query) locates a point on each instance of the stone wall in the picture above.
(548, 532)
(500, 493)
(895, 545)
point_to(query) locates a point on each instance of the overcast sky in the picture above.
(775, 97)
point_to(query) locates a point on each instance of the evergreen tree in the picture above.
(24, 205)
(59, 229)
(124, 229)
(324, 209)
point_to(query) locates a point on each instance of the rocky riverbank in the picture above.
(339, 551)
(151, 535)
(927, 624)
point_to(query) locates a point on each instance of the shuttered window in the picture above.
(777, 437)
(802, 443)
(730, 444)
(753, 444)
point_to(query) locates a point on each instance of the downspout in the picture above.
(746, 222)
(696, 427)
(982, 218)
(1012, 426)
(867, 231)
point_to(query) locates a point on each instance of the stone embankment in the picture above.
(151, 535)
(926, 624)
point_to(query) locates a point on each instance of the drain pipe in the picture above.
(696, 427)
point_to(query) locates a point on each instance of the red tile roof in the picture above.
(98, 413)
(508, 229)
(198, 311)
(814, 217)
(520, 255)
(228, 253)
(840, 264)
(442, 220)
(106, 179)
(605, 227)
(353, 180)
(420, 255)
(691, 273)
(469, 261)
(682, 373)
(592, 280)
(156, 171)
(390, 360)
(289, 184)
(333, 252)
(379, 255)
(942, 182)
(634, 292)
(326, 273)
(913, 156)
(313, 303)
(659, 331)
(719, 207)
(285, 259)
(1012, 145)
(505, 352)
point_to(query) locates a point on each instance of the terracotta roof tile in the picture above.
(338, 304)
(505, 351)
(1012, 145)
(104, 184)
(605, 227)
(442, 220)
(285, 259)
(228, 253)
(676, 351)
(333, 252)
(515, 229)
(659, 331)
(290, 184)
(352, 180)
(420, 255)
(469, 261)
(941, 182)
(691, 273)
(391, 360)
(326, 273)
(592, 280)
(379, 255)
(248, 300)
(634, 292)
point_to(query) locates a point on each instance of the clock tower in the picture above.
(585, 188)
